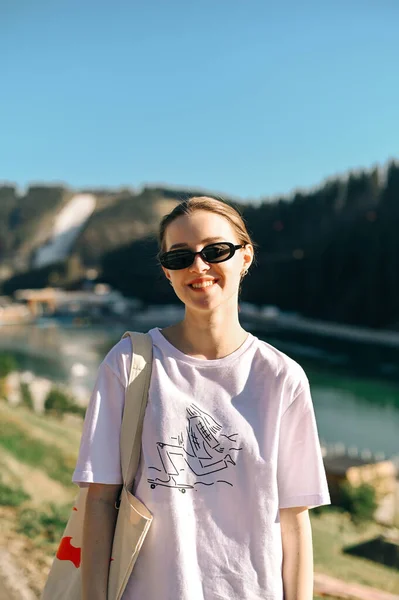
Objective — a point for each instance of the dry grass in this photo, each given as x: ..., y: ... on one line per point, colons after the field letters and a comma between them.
x: 24, y: 464
x: 333, y: 531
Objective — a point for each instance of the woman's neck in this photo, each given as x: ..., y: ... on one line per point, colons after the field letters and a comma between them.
x: 206, y: 337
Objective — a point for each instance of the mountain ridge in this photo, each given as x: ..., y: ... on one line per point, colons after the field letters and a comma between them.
x: 331, y: 253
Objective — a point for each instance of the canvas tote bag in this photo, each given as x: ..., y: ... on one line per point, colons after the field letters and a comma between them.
x: 134, y: 520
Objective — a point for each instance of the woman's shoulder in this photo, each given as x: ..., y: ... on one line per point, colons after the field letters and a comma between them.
x: 281, y: 364
x: 118, y: 360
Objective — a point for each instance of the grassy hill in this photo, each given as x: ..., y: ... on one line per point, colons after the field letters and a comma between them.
x: 26, y: 223
x: 37, y: 458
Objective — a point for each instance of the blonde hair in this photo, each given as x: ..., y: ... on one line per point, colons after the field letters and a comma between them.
x: 218, y: 207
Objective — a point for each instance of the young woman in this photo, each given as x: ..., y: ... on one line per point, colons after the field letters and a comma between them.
x: 230, y: 460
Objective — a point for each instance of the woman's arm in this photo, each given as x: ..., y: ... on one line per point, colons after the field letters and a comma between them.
x: 98, y: 535
x: 296, y: 536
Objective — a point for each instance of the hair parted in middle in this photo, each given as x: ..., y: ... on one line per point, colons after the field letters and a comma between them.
x: 206, y: 203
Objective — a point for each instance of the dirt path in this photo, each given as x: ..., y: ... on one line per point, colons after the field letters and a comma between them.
x: 15, y: 586
x: 13, y: 583
x: 23, y: 567
x: 324, y: 585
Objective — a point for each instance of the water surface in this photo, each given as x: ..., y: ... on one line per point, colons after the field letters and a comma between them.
x: 356, y: 410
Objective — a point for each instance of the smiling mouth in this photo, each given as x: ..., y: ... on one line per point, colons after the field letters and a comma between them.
x: 202, y: 285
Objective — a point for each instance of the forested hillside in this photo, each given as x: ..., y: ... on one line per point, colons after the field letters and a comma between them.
x: 334, y: 253
x: 331, y: 253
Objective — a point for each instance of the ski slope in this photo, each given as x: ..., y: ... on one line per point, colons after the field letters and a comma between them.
x: 68, y: 224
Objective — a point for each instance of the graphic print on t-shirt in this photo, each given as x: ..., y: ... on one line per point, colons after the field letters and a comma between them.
x: 202, y: 456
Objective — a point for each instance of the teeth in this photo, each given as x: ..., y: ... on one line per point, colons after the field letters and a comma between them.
x: 202, y: 285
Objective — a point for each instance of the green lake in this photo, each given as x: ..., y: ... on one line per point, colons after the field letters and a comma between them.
x: 351, y: 408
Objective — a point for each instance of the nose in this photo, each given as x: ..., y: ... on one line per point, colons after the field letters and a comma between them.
x: 199, y: 265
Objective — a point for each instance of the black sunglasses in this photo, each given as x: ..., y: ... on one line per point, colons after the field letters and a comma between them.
x: 213, y: 253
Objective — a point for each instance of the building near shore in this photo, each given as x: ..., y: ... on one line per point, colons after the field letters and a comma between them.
x: 356, y: 470
x: 12, y: 313
x: 349, y: 466
x: 55, y: 300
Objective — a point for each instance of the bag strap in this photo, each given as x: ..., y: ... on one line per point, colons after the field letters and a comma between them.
x: 135, y: 404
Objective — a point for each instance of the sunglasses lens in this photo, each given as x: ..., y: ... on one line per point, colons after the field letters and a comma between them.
x: 177, y: 259
x: 217, y: 253
x: 181, y: 259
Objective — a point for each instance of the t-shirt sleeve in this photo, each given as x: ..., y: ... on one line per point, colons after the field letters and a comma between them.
x: 99, y: 453
x: 301, y: 476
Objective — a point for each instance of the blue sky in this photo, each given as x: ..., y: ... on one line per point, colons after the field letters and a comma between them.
x: 248, y: 99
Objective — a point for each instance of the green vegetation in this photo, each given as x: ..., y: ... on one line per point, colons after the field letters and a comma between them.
x: 51, y: 445
x: 334, y: 530
x: 45, y: 525
x: 359, y: 501
x: 26, y: 396
x: 55, y: 430
x: 37, y: 457
x: 30, y: 451
x: 356, y: 502
x: 12, y: 496
x: 336, y: 245
x: 121, y: 216
x: 7, y: 364
x: 59, y: 403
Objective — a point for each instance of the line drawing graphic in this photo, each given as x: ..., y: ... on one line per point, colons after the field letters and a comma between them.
x: 200, y: 452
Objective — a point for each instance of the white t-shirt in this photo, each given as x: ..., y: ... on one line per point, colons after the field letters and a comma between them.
x: 225, y: 444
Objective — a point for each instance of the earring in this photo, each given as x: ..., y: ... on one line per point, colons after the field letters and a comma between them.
x: 170, y: 283
x: 245, y: 272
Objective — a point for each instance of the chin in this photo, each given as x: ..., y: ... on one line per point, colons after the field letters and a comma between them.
x: 207, y: 303
x: 202, y: 304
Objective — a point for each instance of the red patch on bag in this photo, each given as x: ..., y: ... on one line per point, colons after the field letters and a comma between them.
x: 68, y: 552
x: 74, y: 508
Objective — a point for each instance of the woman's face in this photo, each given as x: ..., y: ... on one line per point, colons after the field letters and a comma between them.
x: 194, y: 232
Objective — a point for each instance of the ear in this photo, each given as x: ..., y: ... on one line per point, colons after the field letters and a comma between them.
x: 248, y: 256
x: 166, y: 273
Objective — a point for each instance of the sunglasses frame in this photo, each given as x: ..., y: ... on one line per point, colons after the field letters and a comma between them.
x: 233, y: 249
